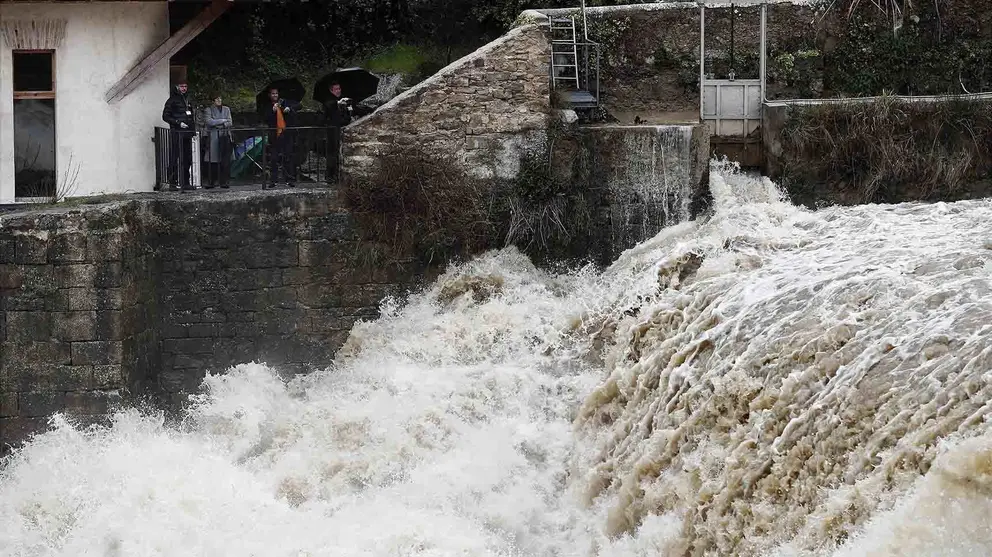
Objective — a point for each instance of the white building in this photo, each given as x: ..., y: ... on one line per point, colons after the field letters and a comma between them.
x: 82, y: 86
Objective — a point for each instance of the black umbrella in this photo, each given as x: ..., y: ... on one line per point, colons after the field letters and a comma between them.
x: 289, y: 88
x: 357, y: 84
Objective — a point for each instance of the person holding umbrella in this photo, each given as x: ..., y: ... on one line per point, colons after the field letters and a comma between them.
x: 337, y: 114
x: 280, y: 115
x: 358, y: 84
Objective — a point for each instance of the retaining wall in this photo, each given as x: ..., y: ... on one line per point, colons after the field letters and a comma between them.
x: 143, y: 297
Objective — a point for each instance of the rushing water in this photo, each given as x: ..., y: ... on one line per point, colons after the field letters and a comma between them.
x: 766, y: 381
x: 651, y: 185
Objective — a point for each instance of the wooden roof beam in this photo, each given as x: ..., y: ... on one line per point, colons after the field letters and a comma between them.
x: 166, y: 50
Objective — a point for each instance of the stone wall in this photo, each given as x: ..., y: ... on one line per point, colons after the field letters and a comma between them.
x: 483, y: 109
x: 107, y: 302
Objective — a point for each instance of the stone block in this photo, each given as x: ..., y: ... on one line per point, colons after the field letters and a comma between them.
x: 109, y: 325
x: 193, y: 378
x: 40, y: 403
x: 240, y: 301
x: 241, y: 317
x: 11, y: 276
x: 255, y: 280
x: 272, y: 254
x: 30, y: 250
x: 14, y: 431
x: 189, y: 361
x: 75, y: 275
x: 226, y: 330
x: 319, y: 253
x: 109, y: 274
x: 171, y: 381
x: 91, y: 402
x: 17, y: 354
x: 64, y: 378
x: 28, y: 326
x: 365, y: 295
x: 188, y: 346
x: 332, y: 319
x: 283, y: 298
x: 109, y: 298
x: 296, y: 276
x: 200, y: 330
x: 99, y: 352
x: 104, y: 220
x: 8, y: 405
x: 73, y: 326
x: 66, y: 248
x: 105, y: 247
x: 6, y: 251
x: 319, y: 296
x: 108, y: 377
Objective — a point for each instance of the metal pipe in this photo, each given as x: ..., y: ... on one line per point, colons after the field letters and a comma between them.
x: 733, y: 21
x: 585, y: 24
x: 702, y: 57
x: 597, y: 73
x: 764, y: 25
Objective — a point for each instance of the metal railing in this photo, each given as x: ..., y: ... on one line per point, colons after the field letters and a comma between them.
x: 187, y: 159
x: 589, y: 72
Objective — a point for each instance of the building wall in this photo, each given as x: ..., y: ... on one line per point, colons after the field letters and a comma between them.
x: 109, y: 143
x: 483, y: 109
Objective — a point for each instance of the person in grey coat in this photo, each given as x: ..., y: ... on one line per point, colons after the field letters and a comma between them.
x: 218, y: 151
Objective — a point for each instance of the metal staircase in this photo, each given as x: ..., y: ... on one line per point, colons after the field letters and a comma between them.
x: 572, y: 77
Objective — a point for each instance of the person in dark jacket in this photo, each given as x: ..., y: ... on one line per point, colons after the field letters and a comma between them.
x: 280, y: 116
x: 178, y: 113
x: 337, y: 114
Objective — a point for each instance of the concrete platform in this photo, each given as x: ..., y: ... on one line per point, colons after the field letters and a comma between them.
x: 655, y: 117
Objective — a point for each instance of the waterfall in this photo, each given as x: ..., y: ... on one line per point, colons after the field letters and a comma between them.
x: 765, y: 381
x: 651, y: 183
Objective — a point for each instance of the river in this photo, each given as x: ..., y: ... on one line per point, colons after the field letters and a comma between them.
x: 765, y: 381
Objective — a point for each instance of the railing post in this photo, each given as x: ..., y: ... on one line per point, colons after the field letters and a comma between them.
x: 702, y: 61
x: 764, y: 46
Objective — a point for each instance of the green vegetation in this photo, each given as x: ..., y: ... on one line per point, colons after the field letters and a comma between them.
x: 918, y: 60
x: 401, y: 58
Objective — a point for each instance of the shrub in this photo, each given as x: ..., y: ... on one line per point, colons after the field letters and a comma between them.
x: 418, y: 203
x: 887, y: 150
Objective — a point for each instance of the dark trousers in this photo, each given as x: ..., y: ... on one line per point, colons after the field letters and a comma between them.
x: 180, y: 156
x: 281, y: 154
x: 333, y: 154
x: 220, y: 172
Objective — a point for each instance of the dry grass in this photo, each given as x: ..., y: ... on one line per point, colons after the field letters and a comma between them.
x: 888, y: 150
x: 415, y: 203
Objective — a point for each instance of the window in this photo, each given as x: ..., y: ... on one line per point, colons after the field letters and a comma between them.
x: 34, y: 124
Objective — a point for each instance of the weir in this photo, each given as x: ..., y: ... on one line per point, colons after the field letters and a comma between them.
x: 650, y: 176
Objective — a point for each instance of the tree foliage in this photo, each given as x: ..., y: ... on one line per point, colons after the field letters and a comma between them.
x: 256, y: 41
